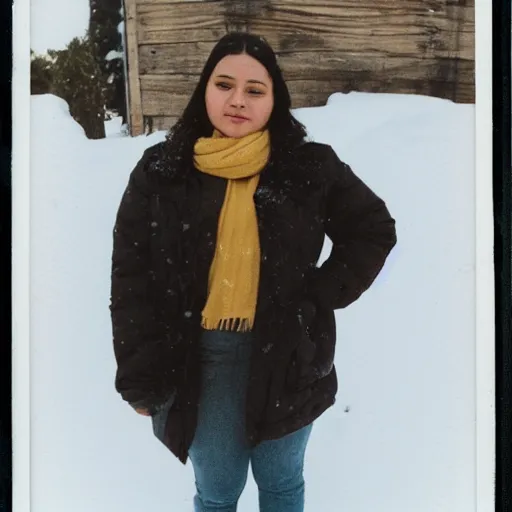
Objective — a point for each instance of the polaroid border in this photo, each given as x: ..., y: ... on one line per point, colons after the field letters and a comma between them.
x: 485, y: 304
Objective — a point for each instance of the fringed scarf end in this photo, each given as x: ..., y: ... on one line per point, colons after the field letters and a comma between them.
x: 228, y: 324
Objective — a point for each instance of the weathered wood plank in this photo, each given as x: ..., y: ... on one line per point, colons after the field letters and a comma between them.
x: 288, y: 39
x: 178, y: 84
x: 183, y: 22
x: 134, y: 94
x: 164, y: 103
x: 180, y: 23
x: 330, y: 66
x: 174, y: 17
x: 177, y: 12
x: 189, y: 59
x: 191, y: 35
x: 339, y: 9
x: 419, y: 5
x: 179, y: 2
x: 402, y: 19
x: 204, y: 35
x: 179, y: 58
x: 381, y: 42
x: 353, y: 9
x: 360, y: 9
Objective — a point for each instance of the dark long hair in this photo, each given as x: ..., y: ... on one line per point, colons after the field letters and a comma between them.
x: 286, y: 132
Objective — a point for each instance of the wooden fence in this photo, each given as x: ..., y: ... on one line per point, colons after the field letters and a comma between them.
x: 324, y: 46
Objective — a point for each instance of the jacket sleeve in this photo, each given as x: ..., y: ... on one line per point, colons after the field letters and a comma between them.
x: 141, y: 347
x: 362, y: 232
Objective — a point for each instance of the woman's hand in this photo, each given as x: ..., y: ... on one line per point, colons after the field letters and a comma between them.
x: 142, y: 411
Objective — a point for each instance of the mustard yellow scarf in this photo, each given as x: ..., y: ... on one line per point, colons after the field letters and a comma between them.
x: 235, y: 270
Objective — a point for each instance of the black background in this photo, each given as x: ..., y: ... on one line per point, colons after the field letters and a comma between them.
x: 502, y: 249
x: 5, y: 253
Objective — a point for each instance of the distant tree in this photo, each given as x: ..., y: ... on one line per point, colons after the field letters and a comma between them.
x: 41, y: 75
x: 78, y: 79
x: 106, y: 41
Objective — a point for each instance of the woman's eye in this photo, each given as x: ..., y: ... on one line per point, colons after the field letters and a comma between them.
x: 226, y: 87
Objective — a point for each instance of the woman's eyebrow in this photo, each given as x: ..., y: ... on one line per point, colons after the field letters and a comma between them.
x: 257, y: 82
x: 249, y: 81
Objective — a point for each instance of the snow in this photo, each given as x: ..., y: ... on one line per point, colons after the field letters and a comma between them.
x: 114, y: 127
x: 114, y: 54
x: 401, y: 436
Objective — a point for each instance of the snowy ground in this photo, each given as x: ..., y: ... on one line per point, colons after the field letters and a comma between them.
x: 401, y: 436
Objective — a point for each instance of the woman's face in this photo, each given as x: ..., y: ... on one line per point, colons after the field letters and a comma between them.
x: 239, y: 97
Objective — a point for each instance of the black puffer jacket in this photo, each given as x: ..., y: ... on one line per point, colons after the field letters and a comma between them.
x: 164, y: 242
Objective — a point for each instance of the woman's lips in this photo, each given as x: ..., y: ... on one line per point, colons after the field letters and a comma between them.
x: 237, y: 119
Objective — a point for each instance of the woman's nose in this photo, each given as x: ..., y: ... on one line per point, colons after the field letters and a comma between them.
x: 238, y: 99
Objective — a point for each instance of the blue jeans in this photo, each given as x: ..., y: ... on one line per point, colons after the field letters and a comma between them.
x: 220, y: 453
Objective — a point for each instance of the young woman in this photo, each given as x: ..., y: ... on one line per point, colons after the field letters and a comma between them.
x: 224, y: 328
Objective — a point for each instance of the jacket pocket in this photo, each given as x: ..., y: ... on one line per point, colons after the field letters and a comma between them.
x: 313, y: 357
x: 305, y: 350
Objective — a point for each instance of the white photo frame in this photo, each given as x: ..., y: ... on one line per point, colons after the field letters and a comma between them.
x: 23, y: 477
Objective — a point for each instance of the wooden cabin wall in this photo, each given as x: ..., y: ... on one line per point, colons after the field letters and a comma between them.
x: 323, y: 46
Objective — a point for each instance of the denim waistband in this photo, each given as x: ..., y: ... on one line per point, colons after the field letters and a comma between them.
x: 225, y: 345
